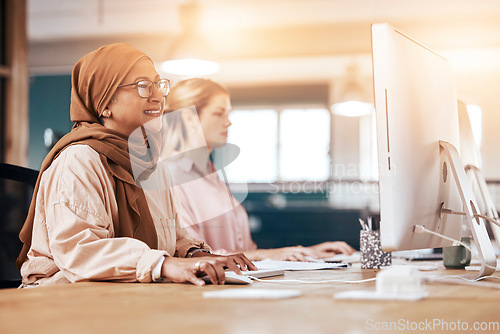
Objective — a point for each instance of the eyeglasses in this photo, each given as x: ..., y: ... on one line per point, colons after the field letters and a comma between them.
x: 145, y: 87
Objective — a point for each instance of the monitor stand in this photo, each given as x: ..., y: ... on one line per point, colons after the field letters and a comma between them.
x: 484, y: 195
x: 477, y: 226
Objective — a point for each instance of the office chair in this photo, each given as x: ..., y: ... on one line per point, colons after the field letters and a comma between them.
x: 16, y: 189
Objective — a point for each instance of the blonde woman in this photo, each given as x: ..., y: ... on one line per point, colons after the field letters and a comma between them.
x: 90, y: 219
x: 196, y: 122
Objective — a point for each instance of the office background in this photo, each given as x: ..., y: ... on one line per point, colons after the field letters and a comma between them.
x: 310, y: 172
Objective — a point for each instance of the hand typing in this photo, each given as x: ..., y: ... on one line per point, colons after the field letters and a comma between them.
x: 189, y: 270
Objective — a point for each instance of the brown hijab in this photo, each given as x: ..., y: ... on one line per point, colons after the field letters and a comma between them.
x: 95, y: 79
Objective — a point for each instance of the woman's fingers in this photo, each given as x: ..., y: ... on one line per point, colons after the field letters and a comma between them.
x: 343, y: 247
x: 195, y: 280
x: 306, y: 251
x: 231, y: 263
x: 219, y: 271
x: 243, y: 262
x: 210, y: 270
x: 197, y: 267
x: 297, y: 256
x: 214, y: 266
x: 249, y: 264
x: 240, y: 264
x: 301, y: 253
x: 326, y: 249
x: 349, y: 249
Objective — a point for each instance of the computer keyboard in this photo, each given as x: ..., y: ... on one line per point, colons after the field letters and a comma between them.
x: 295, y: 265
x: 353, y: 258
x: 418, y: 255
x: 269, y: 268
x: 426, y: 257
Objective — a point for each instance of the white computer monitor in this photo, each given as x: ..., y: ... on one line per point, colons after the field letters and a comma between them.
x: 471, y: 158
x: 417, y: 139
x: 469, y: 152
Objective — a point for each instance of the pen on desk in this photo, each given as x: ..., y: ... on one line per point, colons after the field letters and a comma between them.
x: 370, y: 226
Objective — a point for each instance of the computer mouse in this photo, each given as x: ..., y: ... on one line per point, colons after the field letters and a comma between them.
x: 231, y: 278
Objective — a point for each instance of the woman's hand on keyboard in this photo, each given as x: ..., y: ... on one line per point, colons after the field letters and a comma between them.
x: 330, y: 248
x: 297, y: 253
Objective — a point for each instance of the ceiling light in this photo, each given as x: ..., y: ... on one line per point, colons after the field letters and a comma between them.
x: 351, y: 99
x: 190, y: 54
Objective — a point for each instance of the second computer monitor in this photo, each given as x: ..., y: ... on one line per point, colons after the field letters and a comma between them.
x: 416, y: 107
x: 471, y: 158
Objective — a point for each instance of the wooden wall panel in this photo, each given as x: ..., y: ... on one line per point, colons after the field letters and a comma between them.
x: 17, y: 115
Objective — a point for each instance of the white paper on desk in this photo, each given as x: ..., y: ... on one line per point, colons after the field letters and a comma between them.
x: 250, y: 293
x: 295, y: 265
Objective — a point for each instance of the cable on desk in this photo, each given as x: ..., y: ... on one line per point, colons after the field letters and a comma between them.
x: 310, y: 282
x: 419, y: 229
x: 438, y: 277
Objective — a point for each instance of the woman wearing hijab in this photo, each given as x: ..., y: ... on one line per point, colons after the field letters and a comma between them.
x: 210, y: 212
x: 90, y: 218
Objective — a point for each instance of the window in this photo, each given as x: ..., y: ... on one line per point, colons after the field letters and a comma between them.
x: 255, y: 132
x: 280, y: 144
x: 304, y: 144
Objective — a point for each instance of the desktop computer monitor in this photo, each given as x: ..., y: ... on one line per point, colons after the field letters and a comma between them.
x: 469, y: 152
x: 417, y: 140
x: 471, y: 158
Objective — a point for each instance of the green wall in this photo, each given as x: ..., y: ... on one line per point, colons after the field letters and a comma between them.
x: 49, y: 102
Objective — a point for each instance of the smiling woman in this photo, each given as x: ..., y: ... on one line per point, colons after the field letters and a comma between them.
x: 130, y: 112
x: 91, y: 219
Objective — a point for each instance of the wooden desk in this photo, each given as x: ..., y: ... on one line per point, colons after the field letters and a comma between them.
x: 181, y: 308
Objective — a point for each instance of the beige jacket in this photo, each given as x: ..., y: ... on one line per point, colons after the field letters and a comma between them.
x: 73, y: 235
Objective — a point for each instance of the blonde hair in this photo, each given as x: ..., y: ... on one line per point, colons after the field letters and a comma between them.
x: 195, y: 92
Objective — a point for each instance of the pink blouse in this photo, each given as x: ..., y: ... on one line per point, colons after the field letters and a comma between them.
x: 209, y: 211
